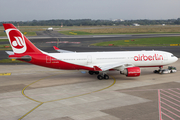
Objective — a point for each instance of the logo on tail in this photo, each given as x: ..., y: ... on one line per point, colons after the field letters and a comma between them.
x: 17, y: 40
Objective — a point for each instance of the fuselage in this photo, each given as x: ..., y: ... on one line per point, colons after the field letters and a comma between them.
x: 137, y: 58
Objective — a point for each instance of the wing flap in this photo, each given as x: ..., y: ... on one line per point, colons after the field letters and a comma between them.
x: 108, y: 66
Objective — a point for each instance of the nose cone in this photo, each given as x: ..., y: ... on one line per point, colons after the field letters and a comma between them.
x: 176, y: 59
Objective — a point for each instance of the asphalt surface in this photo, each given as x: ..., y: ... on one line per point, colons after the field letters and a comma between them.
x: 45, y: 40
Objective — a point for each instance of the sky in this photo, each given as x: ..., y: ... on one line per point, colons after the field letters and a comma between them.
x: 28, y: 10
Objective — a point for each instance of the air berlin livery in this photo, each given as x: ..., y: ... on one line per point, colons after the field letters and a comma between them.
x: 128, y: 62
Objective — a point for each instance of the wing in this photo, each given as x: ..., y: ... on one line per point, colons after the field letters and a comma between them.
x: 109, y: 66
x: 62, y: 51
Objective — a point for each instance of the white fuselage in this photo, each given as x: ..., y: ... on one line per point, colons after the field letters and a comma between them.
x: 137, y: 58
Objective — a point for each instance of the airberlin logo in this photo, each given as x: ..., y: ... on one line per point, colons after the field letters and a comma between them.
x: 18, y: 43
x: 148, y: 57
x: 17, y: 40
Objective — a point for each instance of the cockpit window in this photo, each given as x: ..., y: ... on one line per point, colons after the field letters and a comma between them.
x: 172, y: 55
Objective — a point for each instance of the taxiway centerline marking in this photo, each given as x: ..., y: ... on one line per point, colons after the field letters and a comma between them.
x: 30, y: 111
x: 56, y: 99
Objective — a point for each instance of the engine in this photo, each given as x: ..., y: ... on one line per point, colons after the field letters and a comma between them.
x: 132, y: 71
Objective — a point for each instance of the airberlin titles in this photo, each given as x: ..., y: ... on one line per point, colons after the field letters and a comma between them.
x: 148, y: 57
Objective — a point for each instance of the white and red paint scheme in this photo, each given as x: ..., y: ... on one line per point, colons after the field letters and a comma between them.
x: 127, y: 62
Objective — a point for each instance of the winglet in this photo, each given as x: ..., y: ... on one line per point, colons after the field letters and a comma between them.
x: 62, y: 51
x: 96, y: 68
x: 56, y: 48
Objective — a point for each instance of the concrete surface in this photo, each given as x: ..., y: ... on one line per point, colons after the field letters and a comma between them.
x: 37, y: 93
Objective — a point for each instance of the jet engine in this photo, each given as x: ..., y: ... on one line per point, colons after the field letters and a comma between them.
x: 132, y: 71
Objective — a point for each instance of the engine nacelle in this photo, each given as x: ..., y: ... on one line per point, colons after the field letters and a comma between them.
x: 132, y: 71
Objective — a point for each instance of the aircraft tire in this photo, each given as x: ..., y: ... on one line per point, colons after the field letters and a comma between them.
x: 96, y: 72
x: 100, y: 77
x: 91, y: 72
x: 106, y: 77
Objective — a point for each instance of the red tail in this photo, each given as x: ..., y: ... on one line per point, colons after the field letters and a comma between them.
x: 19, y: 43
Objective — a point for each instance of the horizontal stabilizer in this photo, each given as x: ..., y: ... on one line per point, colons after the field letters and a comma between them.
x: 10, y: 52
x: 62, y: 51
x: 26, y: 57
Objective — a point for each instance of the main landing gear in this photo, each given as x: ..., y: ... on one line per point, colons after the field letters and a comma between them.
x: 100, y: 77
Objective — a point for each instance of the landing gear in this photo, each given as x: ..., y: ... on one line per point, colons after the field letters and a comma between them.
x: 93, y: 72
x: 100, y: 77
x: 158, y: 71
x: 106, y: 77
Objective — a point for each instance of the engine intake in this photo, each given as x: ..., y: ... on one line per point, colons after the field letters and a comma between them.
x: 132, y: 71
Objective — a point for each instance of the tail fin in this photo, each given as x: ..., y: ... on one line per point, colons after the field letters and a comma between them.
x: 19, y: 43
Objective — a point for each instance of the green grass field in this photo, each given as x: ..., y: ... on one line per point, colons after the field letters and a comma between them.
x: 2, y: 47
x: 10, y: 61
x: 159, y: 41
x: 4, y: 40
x: 156, y: 29
x: 75, y: 33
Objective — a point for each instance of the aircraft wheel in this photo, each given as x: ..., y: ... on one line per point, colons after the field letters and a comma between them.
x: 91, y: 72
x: 100, y: 77
x: 155, y: 71
x: 96, y: 72
x: 106, y: 77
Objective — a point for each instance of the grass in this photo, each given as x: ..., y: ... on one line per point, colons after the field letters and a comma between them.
x: 29, y: 33
x: 125, y: 30
x: 72, y: 32
x: 2, y: 47
x: 4, y: 40
x: 2, y: 33
x: 94, y: 30
x: 159, y: 41
x: 10, y: 61
x: 135, y: 30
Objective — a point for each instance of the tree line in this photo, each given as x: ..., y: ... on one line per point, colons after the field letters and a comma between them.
x: 90, y: 22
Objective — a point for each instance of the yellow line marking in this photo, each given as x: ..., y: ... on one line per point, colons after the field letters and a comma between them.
x: 56, y: 99
x: 30, y: 111
x: 5, y: 74
x: 84, y: 93
x: 31, y: 84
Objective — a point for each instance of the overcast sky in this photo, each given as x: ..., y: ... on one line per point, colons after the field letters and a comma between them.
x: 24, y: 10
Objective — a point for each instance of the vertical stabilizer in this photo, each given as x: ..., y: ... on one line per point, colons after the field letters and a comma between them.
x: 19, y: 43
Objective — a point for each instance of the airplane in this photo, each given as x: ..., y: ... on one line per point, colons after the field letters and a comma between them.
x: 99, y: 63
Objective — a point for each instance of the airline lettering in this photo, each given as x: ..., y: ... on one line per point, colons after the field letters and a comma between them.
x: 146, y: 58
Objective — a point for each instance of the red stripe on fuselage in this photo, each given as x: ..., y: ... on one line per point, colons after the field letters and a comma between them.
x: 41, y: 60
